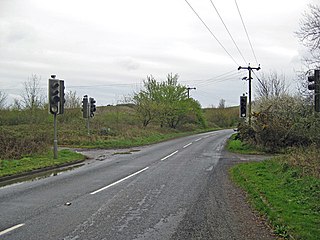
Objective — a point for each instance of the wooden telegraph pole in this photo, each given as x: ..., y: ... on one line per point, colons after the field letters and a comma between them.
x: 250, y: 71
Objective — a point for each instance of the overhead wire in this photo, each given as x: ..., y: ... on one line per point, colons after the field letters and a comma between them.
x: 245, y: 29
x: 225, y: 26
x: 213, y: 80
x: 212, y: 34
x: 199, y: 82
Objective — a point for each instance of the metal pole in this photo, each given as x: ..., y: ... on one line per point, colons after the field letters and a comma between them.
x: 88, y: 125
x: 55, y: 141
x: 249, y: 95
x: 88, y: 119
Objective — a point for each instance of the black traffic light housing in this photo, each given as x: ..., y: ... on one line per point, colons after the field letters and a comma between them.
x: 56, y: 95
x: 85, y: 107
x: 315, y: 86
x: 243, y: 106
x: 92, y: 106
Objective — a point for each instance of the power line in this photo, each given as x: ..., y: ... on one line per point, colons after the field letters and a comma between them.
x: 211, y: 81
x: 216, y: 78
x: 245, y: 29
x: 212, y: 34
x: 228, y: 31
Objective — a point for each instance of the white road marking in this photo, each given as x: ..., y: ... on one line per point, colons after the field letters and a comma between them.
x: 209, y: 169
x: 119, y: 181
x: 11, y: 229
x: 198, y: 139
x: 187, y: 145
x: 169, y: 155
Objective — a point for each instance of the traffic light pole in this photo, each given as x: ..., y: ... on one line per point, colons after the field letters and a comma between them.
x: 88, y: 125
x: 55, y: 140
x: 250, y: 78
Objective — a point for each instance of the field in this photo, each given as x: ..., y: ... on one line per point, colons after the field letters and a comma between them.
x: 26, y: 135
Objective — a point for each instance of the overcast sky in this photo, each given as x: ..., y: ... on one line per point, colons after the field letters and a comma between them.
x: 106, y: 48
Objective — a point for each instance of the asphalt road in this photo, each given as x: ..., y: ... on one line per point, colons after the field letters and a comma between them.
x: 173, y: 190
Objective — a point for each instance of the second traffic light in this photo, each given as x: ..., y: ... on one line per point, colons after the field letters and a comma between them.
x: 243, y: 106
x: 92, y: 106
x: 315, y: 86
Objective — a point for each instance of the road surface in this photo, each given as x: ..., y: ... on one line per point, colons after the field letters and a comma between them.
x: 177, y: 189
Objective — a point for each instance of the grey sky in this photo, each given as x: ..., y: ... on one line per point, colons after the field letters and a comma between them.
x: 112, y: 45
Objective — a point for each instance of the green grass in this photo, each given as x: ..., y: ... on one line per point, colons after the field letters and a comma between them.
x: 237, y: 146
x: 133, y: 141
x: 29, y: 163
x: 289, y: 199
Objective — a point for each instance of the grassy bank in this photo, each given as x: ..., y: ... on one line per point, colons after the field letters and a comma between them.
x: 288, y: 198
x: 286, y: 189
x: 237, y: 146
x: 34, y: 162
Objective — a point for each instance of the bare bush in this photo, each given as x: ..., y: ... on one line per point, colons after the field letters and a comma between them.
x: 271, y: 86
x: 32, y: 97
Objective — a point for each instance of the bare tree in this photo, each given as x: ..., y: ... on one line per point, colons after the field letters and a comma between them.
x: 3, y: 99
x: 32, y: 97
x: 271, y: 85
x: 16, y: 104
x: 222, y: 103
x: 72, y: 100
x: 309, y: 35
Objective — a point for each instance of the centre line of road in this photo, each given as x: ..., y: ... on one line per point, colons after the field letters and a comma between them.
x: 187, y: 145
x: 198, y: 139
x: 162, y: 159
x: 11, y: 229
x: 119, y: 181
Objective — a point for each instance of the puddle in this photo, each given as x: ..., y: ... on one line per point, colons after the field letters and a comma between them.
x: 38, y: 176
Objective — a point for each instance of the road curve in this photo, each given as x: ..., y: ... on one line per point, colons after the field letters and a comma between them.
x: 170, y: 190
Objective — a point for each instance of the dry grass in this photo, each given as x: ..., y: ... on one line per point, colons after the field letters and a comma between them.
x: 307, y: 159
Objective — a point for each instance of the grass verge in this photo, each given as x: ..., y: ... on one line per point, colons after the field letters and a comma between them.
x: 29, y: 163
x: 237, y: 146
x: 282, y: 193
x: 134, y: 141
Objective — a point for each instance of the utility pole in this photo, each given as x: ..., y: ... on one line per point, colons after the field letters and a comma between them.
x: 250, y: 71
x: 190, y: 88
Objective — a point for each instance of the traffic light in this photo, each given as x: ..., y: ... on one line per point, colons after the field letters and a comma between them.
x: 315, y: 86
x: 56, y: 95
x: 243, y: 106
x: 85, y: 106
x: 62, y: 97
x: 92, y: 106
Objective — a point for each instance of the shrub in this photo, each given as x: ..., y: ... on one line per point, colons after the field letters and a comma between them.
x: 16, y: 144
x: 281, y: 122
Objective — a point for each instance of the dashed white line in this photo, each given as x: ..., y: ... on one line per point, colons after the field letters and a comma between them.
x: 187, y: 145
x: 11, y: 229
x: 119, y: 181
x: 198, y: 139
x: 169, y: 155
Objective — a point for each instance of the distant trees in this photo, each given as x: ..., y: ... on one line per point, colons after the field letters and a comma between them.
x: 166, y: 103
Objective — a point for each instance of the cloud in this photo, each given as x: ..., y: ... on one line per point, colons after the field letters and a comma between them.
x: 128, y: 63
